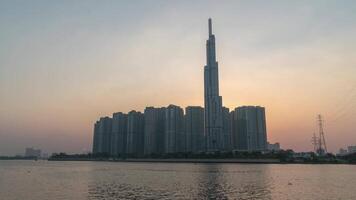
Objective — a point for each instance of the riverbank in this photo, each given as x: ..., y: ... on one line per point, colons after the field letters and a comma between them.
x: 252, y: 161
x: 263, y: 161
x: 171, y: 160
x: 282, y: 157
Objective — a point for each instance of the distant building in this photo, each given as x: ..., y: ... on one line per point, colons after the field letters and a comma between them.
x: 273, y: 147
x: 174, y: 130
x: 226, y: 130
x: 299, y: 156
x: 118, y: 134
x: 102, y: 135
x: 351, y: 149
x: 194, y: 129
x: 32, y: 152
x: 135, y: 137
x: 249, y: 128
x: 105, y: 133
x: 96, y: 137
x: 154, y: 130
x: 342, y: 152
x: 234, y: 140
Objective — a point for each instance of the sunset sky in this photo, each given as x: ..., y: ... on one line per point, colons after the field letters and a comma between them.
x: 64, y: 64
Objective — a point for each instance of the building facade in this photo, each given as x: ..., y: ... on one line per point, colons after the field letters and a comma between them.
x: 226, y: 131
x: 174, y: 130
x: 212, y: 100
x: 154, y: 130
x: 96, y: 137
x: 135, y: 131
x: 102, y: 135
x: 118, y: 134
x: 249, y: 128
x: 194, y: 129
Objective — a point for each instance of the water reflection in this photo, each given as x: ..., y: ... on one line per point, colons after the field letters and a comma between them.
x: 225, y: 182
x: 188, y: 181
x: 119, y: 182
x: 122, y: 191
x: 212, y: 183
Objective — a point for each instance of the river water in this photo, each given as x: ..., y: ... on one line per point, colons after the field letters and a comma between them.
x: 113, y: 180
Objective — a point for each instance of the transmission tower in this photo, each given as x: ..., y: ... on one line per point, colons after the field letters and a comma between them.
x: 315, y: 142
x: 321, y: 150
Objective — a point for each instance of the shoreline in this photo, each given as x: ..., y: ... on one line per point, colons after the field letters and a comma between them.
x: 251, y: 161
x: 188, y: 160
x: 207, y: 161
x: 174, y: 160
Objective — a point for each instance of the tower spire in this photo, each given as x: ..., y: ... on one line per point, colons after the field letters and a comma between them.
x: 212, y: 100
x: 210, y: 27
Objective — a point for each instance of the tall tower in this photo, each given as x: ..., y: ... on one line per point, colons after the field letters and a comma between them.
x: 212, y: 100
x: 322, y: 144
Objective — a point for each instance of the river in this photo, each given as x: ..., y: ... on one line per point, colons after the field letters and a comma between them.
x: 57, y: 180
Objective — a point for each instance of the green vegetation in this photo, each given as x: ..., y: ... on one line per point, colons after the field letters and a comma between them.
x: 350, y: 158
x: 18, y: 158
x: 284, y: 156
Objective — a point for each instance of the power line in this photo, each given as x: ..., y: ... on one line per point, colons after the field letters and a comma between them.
x: 343, y: 108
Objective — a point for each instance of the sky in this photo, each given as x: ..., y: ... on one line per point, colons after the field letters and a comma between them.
x: 64, y: 64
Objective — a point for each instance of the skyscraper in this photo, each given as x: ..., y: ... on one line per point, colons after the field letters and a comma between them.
x: 194, y: 128
x: 103, y: 135
x: 226, y: 132
x: 233, y: 130
x: 174, y: 130
x: 118, y: 134
x: 212, y: 100
x: 249, y: 128
x: 96, y: 137
x: 135, y: 128
x: 154, y: 130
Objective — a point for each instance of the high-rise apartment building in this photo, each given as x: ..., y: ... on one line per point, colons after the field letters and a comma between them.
x: 135, y: 137
x: 226, y: 130
x: 248, y: 128
x: 194, y: 129
x: 96, y: 137
x: 118, y: 134
x: 102, y: 135
x: 154, y: 130
x: 174, y: 130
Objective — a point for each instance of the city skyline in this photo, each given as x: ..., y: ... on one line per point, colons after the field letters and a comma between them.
x: 56, y: 81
